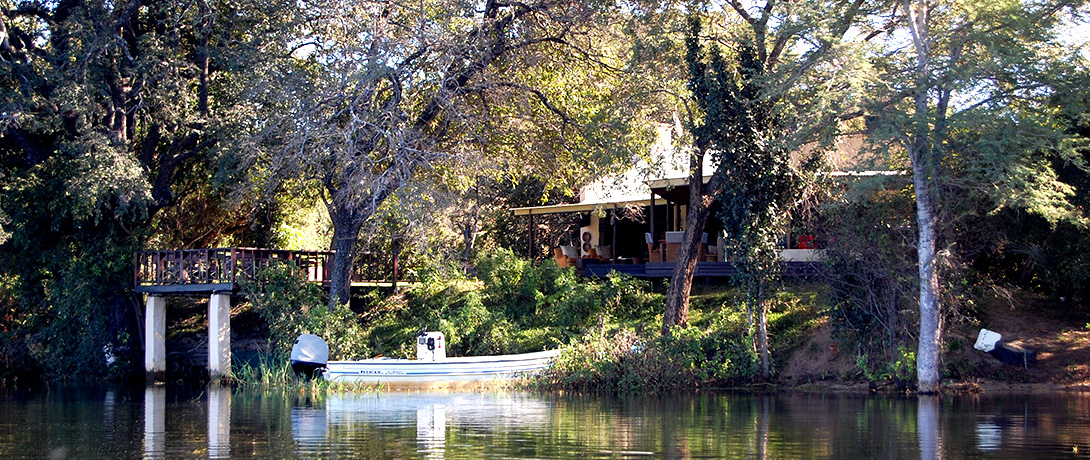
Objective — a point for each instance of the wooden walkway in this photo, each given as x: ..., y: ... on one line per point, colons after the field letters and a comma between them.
x: 198, y: 271
x: 220, y: 269
x: 703, y: 269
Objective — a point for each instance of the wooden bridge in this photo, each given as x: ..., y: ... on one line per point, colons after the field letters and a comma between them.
x: 216, y: 273
x: 220, y: 269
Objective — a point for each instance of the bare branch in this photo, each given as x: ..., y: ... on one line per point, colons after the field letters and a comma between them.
x: 541, y: 97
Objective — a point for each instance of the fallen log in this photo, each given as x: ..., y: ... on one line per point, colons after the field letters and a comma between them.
x: 1016, y: 354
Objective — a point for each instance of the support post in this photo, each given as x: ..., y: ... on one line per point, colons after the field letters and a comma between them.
x: 652, y: 212
x: 531, y: 235
x: 613, y: 222
x: 396, y: 269
x: 669, y: 216
x: 219, y: 335
x: 155, y: 338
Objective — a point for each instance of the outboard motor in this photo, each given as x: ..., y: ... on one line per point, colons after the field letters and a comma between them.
x: 309, y: 355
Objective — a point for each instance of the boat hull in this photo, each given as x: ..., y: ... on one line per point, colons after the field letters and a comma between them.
x: 455, y: 370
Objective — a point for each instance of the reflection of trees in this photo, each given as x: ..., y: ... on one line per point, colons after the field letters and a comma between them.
x: 714, y: 425
x: 928, y: 427
x: 719, y: 426
x: 269, y: 438
x: 798, y: 426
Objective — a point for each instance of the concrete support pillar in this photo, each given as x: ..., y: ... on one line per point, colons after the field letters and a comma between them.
x: 219, y: 335
x: 155, y: 338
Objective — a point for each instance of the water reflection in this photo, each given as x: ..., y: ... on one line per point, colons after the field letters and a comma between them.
x: 354, y: 419
x: 216, y: 422
x: 155, y: 404
x: 762, y: 427
x: 431, y: 430
x: 1020, y: 421
x: 309, y: 427
x: 928, y: 428
x: 219, y: 421
x: 989, y: 435
x: 217, y: 407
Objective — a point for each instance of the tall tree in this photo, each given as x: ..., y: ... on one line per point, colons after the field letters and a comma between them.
x: 387, y: 89
x: 760, y: 191
x: 804, y: 68
x: 970, y: 67
x: 105, y: 106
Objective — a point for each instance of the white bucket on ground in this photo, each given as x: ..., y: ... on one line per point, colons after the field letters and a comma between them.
x: 986, y: 340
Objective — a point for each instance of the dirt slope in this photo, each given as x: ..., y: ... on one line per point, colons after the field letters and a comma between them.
x: 1058, y: 330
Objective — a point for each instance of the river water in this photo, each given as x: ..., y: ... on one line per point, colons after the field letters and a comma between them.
x: 217, y: 422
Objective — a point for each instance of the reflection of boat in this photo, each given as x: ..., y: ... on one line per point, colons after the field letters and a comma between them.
x: 432, y: 368
x: 453, y: 370
x: 429, y: 411
x: 353, y: 419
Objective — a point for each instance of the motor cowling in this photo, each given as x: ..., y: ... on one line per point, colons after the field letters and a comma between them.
x: 309, y: 355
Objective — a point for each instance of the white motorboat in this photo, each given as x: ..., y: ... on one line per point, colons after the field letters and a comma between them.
x: 433, y: 368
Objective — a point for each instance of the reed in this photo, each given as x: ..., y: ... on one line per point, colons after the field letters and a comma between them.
x: 272, y: 371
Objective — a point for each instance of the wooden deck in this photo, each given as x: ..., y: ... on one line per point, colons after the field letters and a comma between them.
x: 200, y: 271
x: 703, y: 269
x: 220, y: 269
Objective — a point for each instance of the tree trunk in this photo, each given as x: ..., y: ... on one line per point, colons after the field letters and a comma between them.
x: 681, y: 284
x: 469, y: 233
x: 924, y: 174
x: 928, y: 356
x: 762, y: 333
x: 346, y: 232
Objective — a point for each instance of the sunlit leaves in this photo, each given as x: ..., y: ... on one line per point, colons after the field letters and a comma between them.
x: 102, y: 177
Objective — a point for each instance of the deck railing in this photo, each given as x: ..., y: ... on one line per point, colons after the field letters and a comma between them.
x: 220, y: 269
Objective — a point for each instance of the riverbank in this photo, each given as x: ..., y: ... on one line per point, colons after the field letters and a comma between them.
x: 807, y: 355
x: 1058, y: 330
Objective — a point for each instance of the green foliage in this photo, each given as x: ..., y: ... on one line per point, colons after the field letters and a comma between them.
x: 543, y: 294
x: 497, y: 223
x: 624, y: 361
x: 793, y: 317
x: 74, y: 306
x: 291, y: 306
x: 372, y: 112
x: 901, y: 369
x: 973, y: 135
x: 1019, y: 246
x: 515, y: 306
x: 870, y: 270
x: 757, y: 187
x: 105, y: 126
x: 715, y: 351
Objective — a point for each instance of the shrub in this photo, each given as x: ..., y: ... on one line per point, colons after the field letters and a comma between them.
x: 623, y: 360
x: 901, y: 369
x: 518, y: 306
x: 292, y: 306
